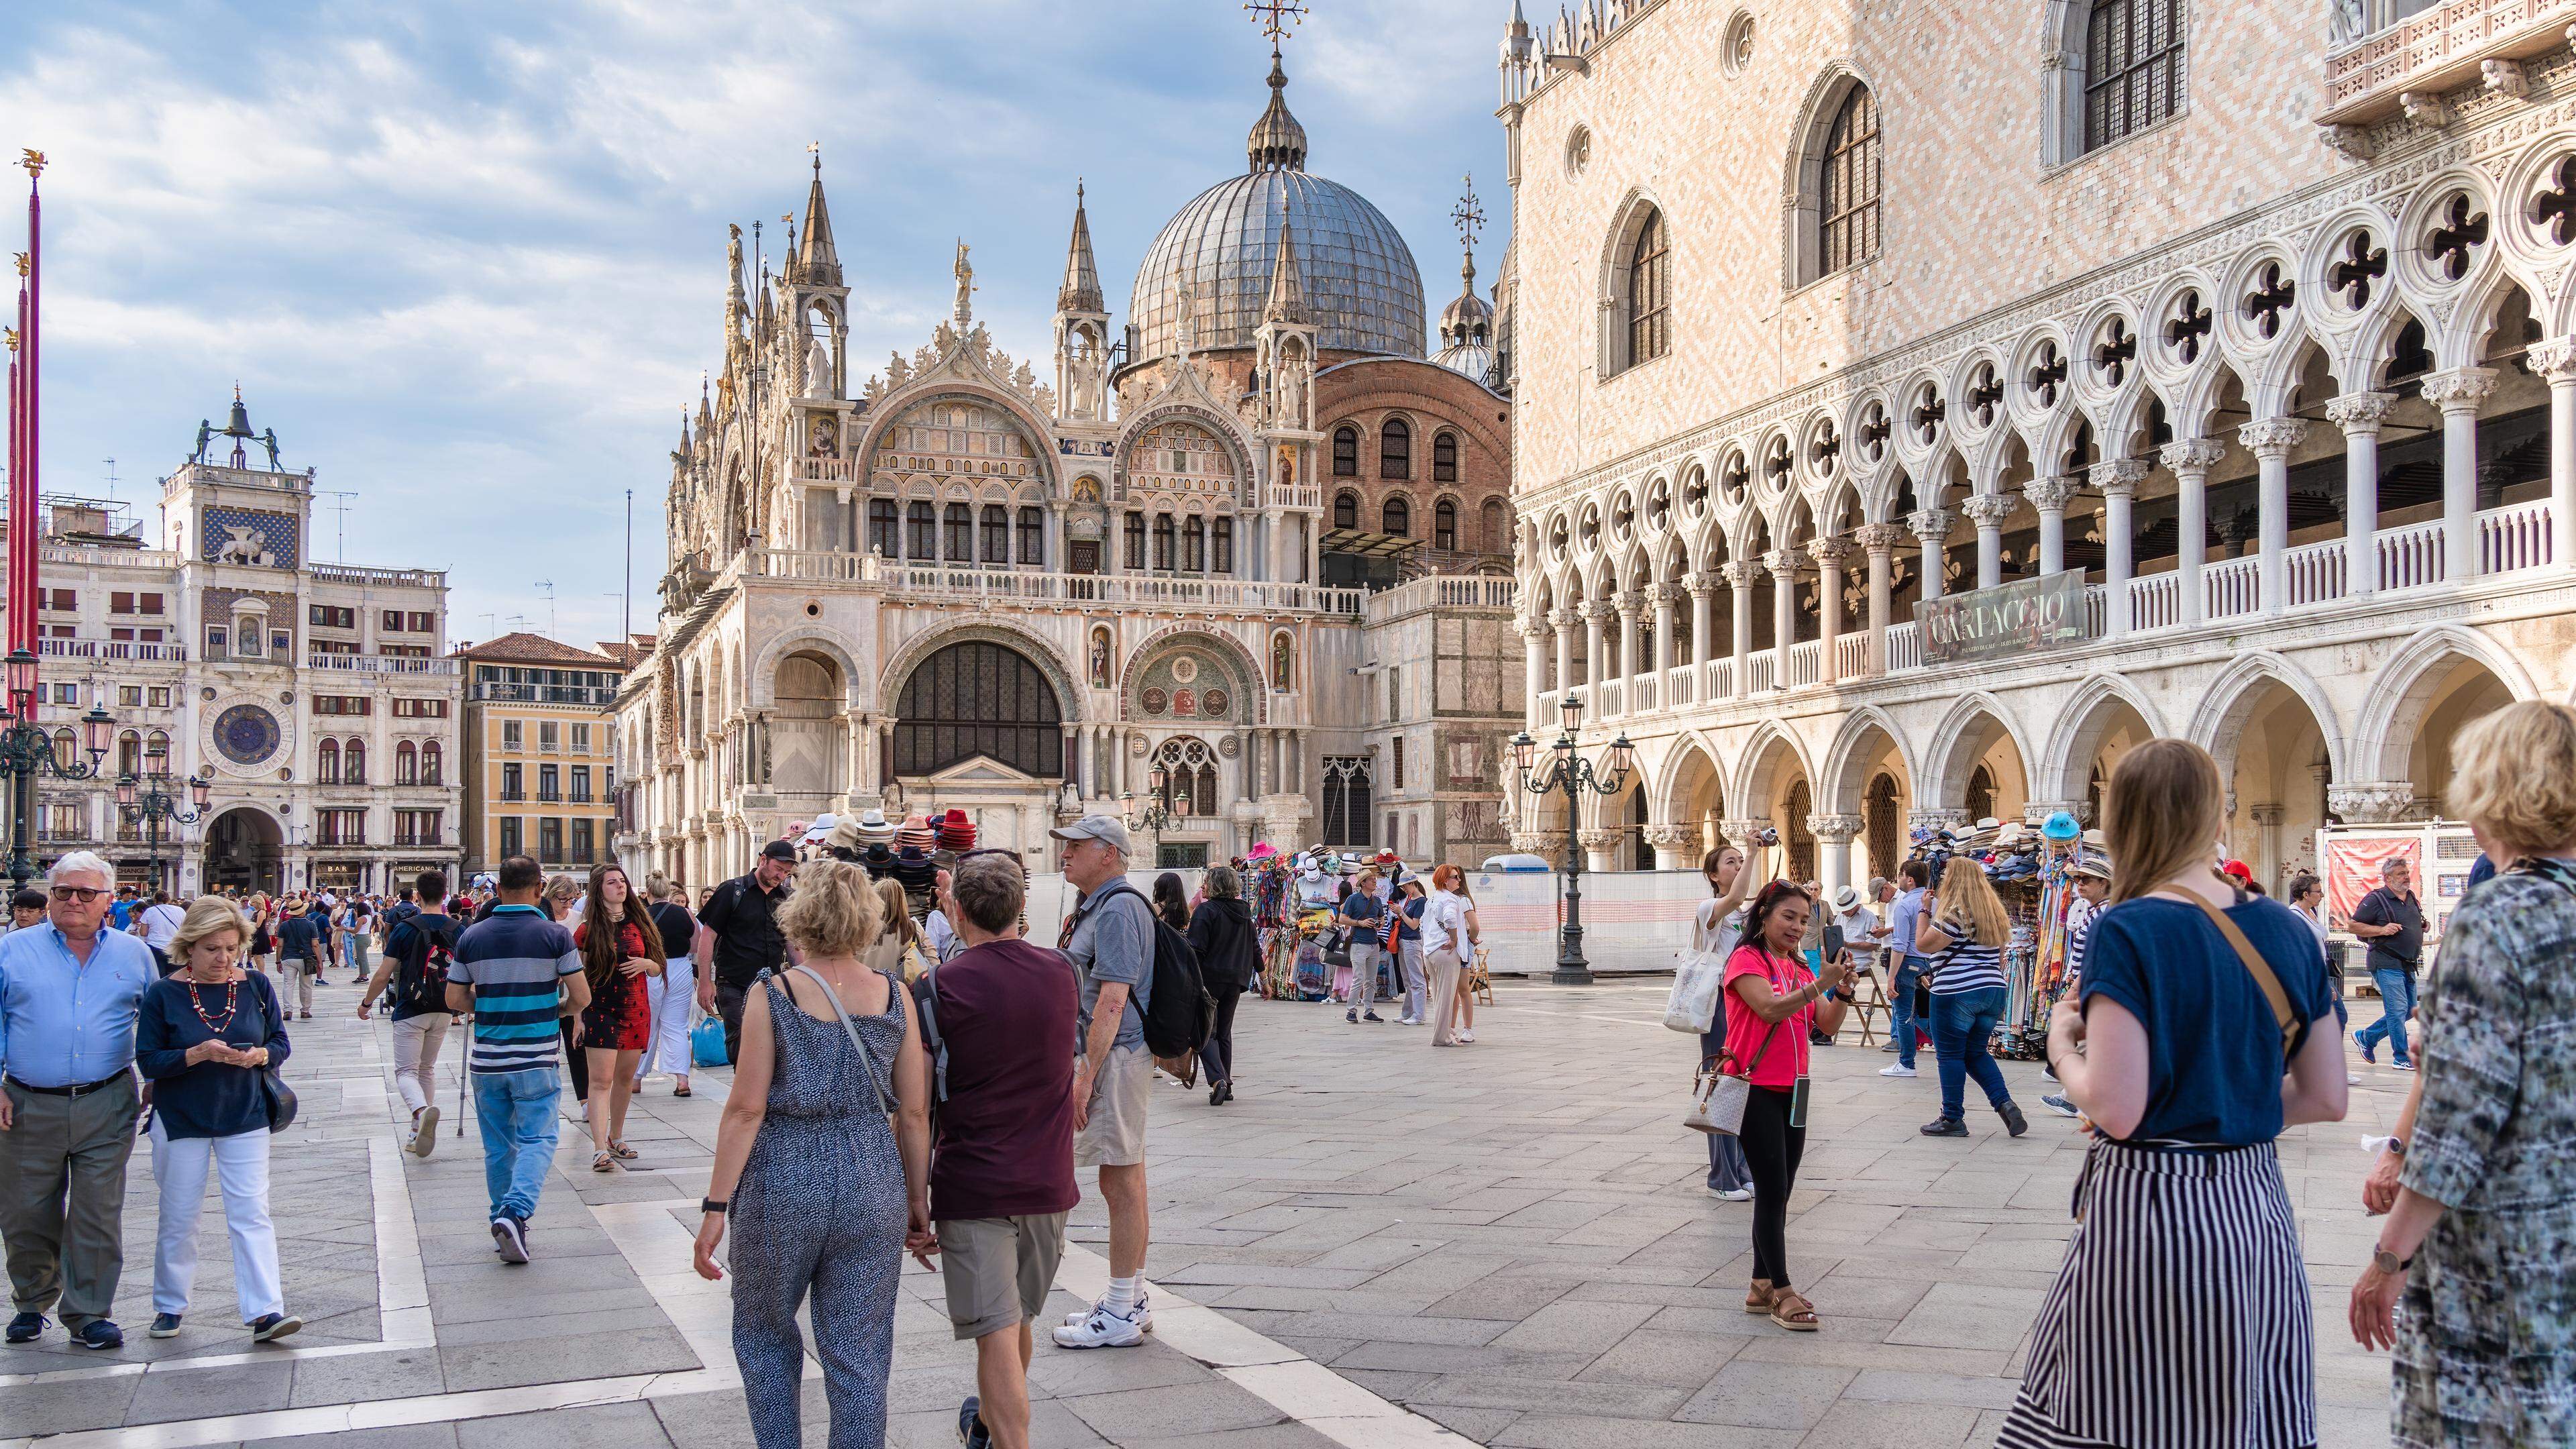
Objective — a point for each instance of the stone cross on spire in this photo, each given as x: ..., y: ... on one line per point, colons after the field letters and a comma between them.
x: 1276, y: 18
x: 1469, y: 214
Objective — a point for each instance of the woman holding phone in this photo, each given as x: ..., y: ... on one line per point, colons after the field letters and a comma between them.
x: 1772, y: 1001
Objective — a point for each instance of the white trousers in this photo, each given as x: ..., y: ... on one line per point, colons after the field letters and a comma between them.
x: 179, y: 1170
x: 416, y: 1043
x: 667, y: 1049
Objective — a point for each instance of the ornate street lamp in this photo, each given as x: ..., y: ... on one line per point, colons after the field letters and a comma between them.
x: 27, y: 751
x: 1569, y: 774
x: 147, y: 802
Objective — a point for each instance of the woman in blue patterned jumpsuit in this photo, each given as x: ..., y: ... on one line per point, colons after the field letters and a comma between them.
x: 824, y: 1192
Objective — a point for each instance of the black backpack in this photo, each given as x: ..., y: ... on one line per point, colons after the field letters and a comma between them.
x: 421, y: 958
x: 1179, y: 1013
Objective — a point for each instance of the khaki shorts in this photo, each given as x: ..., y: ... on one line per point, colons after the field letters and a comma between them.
x: 1115, y: 1133
x: 999, y: 1270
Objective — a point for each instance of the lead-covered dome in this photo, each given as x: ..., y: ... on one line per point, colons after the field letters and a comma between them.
x: 1361, y: 284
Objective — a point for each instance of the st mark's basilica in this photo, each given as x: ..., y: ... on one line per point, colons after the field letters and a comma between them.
x: 1255, y: 544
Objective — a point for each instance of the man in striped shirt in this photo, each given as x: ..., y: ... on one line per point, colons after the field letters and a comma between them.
x: 517, y: 972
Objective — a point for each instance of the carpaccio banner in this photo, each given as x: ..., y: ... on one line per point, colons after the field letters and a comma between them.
x: 2006, y: 620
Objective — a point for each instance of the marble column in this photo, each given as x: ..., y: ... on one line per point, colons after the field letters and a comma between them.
x: 2458, y: 393
x: 1880, y: 541
x: 2554, y: 361
x: 2118, y: 478
x: 1988, y: 512
x: 1830, y: 555
x: 1533, y: 634
x: 1931, y: 526
x: 1740, y: 575
x: 1676, y: 846
x: 1595, y: 615
x: 1701, y: 586
x: 1834, y: 836
x: 1564, y: 620
x: 2050, y: 496
x: 1629, y: 605
x: 1600, y: 849
x: 2270, y: 440
x: 2360, y: 415
x: 1662, y: 596
x: 1783, y: 564
x: 2189, y: 460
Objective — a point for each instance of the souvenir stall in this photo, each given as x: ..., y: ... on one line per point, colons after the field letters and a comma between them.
x: 2033, y: 874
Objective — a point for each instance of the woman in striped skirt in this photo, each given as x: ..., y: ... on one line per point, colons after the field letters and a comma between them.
x: 2181, y: 1316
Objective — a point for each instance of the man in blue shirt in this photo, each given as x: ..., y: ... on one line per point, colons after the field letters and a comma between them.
x: 1905, y: 918
x: 517, y: 972
x: 69, y: 993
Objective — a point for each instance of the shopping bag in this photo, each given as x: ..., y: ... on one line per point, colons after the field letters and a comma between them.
x: 1698, y: 978
x: 707, y: 1043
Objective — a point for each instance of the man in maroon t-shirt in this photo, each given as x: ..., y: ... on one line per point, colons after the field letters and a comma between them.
x: 1001, y: 1166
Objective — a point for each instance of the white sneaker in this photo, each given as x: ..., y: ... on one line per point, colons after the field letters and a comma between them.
x: 1466, y: 1036
x: 2352, y: 1079
x: 1896, y: 1069
x: 1143, y: 1316
x: 1101, y: 1328
x: 424, y: 1132
x: 1732, y: 1194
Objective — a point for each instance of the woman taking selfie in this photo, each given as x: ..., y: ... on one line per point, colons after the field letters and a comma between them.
x: 1772, y: 1001
x: 1966, y: 940
x: 2182, y: 1314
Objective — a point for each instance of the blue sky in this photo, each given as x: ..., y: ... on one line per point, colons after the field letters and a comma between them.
x: 467, y: 257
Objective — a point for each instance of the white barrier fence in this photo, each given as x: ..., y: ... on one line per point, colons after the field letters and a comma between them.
x: 1632, y: 920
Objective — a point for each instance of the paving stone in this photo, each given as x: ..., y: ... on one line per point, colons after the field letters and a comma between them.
x: 1856, y: 1424
x: 365, y: 1377
x: 604, y: 1426
x: 1196, y: 1409
x: 1766, y: 1396
x: 1519, y: 1391
x: 1677, y: 1360
x: 1969, y: 1315
x: 211, y: 1393
x: 401, y: 1436
x: 1557, y: 1431
x: 1569, y: 1327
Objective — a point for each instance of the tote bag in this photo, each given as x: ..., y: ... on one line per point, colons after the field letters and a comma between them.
x: 1699, y: 979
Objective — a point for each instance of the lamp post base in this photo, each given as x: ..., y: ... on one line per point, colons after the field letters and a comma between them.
x: 1570, y: 973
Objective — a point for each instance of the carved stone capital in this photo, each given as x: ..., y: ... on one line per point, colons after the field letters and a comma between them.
x: 2553, y: 360
x: 1936, y: 819
x: 1741, y: 573
x: 1630, y: 603
x: 2114, y: 476
x: 2352, y: 143
x: 1702, y: 585
x: 2051, y: 495
x: 2272, y: 437
x: 1533, y: 627
x: 1987, y: 510
x: 1664, y: 595
x: 2425, y: 108
x: 2191, y: 455
x: 2505, y: 78
x: 1931, y: 525
x: 1565, y: 618
x: 1740, y: 833
x: 2359, y: 414
x: 1879, y: 538
x: 1673, y: 837
x: 2461, y: 389
x: 1835, y: 829
x: 1600, y: 611
x: 1784, y: 563
x: 1599, y: 840
x: 1547, y: 843
x: 1831, y: 553
x: 2372, y: 802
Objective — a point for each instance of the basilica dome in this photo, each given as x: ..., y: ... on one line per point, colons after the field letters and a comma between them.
x: 1360, y: 281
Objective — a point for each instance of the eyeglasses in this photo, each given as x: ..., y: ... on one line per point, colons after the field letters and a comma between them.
x: 82, y: 894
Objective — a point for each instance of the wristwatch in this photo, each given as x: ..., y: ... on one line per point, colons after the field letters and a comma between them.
x: 2397, y: 1147
x: 2387, y: 1262
x: 711, y: 1205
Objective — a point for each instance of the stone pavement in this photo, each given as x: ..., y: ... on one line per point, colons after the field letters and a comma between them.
x: 1509, y: 1240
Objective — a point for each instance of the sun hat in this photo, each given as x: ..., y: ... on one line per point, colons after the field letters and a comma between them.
x: 1846, y: 900
x: 873, y: 828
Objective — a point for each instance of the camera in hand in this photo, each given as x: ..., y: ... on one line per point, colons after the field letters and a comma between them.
x: 1767, y: 835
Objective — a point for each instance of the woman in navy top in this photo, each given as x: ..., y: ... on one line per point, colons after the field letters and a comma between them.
x: 204, y: 1036
x: 2182, y: 1315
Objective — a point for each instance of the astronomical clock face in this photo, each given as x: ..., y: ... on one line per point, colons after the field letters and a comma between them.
x: 245, y: 738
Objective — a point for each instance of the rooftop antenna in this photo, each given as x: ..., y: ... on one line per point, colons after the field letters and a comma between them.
x: 626, y: 583
x: 340, y: 528
x: 111, y: 483
x: 549, y: 586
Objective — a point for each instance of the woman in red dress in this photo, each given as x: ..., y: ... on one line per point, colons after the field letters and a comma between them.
x: 619, y: 945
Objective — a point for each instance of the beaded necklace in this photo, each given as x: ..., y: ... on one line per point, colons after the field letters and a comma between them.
x: 232, y: 1003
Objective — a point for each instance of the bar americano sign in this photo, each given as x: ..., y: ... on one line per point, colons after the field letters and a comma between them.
x: 2009, y: 619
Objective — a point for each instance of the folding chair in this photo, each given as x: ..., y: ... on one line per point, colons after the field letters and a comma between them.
x: 1480, y: 981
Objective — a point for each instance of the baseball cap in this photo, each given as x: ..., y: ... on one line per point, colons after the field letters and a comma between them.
x: 2238, y: 869
x: 1107, y: 828
x: 779, y: 850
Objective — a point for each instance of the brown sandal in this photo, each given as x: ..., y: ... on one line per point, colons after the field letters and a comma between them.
x: 1793, y: 1312
x: 1758, y: 1300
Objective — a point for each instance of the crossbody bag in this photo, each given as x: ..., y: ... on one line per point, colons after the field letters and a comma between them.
x: 2283, y: 1013
x: 1718, y: 1096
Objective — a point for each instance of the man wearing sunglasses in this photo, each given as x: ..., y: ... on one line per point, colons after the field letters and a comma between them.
x: 69, y: 991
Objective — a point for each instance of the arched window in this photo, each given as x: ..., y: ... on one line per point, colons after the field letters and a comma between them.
x: 1397, y: 517
x: 1395, y: 450
x: 156, y: 752
x: 66, y: 750
x: 1163, y: 534
x: 1135, y: 540
x: 923, y: 545
x: 1221, y: 546
x: 1847, y: 206
x: 1346, y: 452
x: 1444, y: 457
x: 978, y: 698
x: 1649, y: 293
x: 1444, y: 524
x: 1189, y: 776
x: 431, y: 771
x: 997, y: 534
x: 2133, y: 67
x: 406, y: 764
x: 881, y: 537
x: 326, y: 763
x: 1194, y: 545
x: 1495, y: 536
x: 353, y: 763
x: 129, y: 754
x: 1346, y: 509
x: 1032, y: 536
x: 958, y: 524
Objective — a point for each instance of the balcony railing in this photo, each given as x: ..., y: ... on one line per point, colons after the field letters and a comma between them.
x: 1721, y: 679
x: 2155, y: 602
x: 2433, y: 51
x: 1678, y: 687
x: 378, y: 664
x: 1437, y: 591
x: 1609, y: 698
x: 1806, y: 659
x: 2313, y: 573
x: 2231, y: 588
x: 2411, y: 557
x: 112, y: 649
x: 338, y: 573
x: 2514, y: 538
x: 1642, y: 693
x: 1763, y: 673
x: 906, y: 582
x: 92, y: 555
x: 1851, y: 655
x: 596, y: 695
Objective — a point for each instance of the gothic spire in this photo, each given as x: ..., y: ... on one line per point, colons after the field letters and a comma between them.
x: 817, y: 264
x: 1287, y: 301
x: 1081, y: 289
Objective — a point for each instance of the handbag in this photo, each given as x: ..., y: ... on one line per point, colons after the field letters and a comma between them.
x: 278, y: 1097
x: 707, y: 1043
x: 1718, y: 1096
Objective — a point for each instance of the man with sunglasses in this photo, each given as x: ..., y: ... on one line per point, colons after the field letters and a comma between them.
x: 69, y: 992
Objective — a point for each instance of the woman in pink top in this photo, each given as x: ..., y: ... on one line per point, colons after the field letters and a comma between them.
x: 1771, y: 1002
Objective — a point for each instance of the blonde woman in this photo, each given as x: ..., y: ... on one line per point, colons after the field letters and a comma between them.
x: 1965, y: 939
x: 203, y: 1036
x: 826, y: 1193
x: 900, y: 950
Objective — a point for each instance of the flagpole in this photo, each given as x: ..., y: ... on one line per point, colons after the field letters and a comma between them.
x: 22, y: 522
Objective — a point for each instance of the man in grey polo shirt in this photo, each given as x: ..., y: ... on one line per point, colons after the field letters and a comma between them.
x: 1110, y: 937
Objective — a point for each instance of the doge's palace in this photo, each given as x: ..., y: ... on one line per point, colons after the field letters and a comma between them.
x: 2235, y: 342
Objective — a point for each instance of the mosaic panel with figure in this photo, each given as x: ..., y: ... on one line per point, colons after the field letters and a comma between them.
x: 952, y: 437
x: 248, y: 536
x: 1188, y: 685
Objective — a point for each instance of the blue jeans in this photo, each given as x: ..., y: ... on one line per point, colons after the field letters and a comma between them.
x: 2396, y: 1007
x: 1901, y: 1007
x: 515, y: 1111
x: 1962, y: 1024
